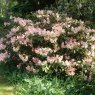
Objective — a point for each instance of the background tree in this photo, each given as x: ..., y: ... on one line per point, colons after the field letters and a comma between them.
x: 79, y: 9
x: 25, y: 7
x: 0, y: 6
x: 7, y: 8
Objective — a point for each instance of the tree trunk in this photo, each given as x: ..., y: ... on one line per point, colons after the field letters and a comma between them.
x: 0, y: 7
x: 6, y: 8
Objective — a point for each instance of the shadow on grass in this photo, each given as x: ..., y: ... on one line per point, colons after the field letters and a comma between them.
x: 6, y: 88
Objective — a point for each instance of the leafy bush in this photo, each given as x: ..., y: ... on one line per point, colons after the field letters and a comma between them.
x: 53, y: 86
x: 39, y: 86
x: 79, y: 9
x: 25, y: 7
x: 52, y: 45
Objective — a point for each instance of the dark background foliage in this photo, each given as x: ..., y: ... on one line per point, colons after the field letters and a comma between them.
x: 78, y: 9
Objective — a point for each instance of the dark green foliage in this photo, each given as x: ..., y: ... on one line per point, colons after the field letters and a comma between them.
x: 48, y: 85
x: 24, y: 7
x: 79, y: 9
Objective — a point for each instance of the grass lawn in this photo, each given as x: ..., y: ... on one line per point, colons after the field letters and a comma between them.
x: 5, y: 87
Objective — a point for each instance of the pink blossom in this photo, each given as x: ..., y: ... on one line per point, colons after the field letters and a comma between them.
x: 23, y: 57
x: 71, y: 71
x: 2, y: 46
x: 6, y: 23
x: 43, y: 51
x: 28, y: 68
x: 19, y: 65
x: 3, y: 56
x: 13, y: 39
x: 1, y: 40
x: 15, y: 29
x: 36, y: 61
x: 8, y: 42
x: 55, y: 59
x: 57, y: 29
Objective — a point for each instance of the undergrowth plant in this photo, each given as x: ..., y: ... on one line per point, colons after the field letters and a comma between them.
x: 51, y: 45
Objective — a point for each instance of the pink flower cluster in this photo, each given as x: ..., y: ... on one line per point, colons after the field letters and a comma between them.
x: 2, y: 46
x: 22, y: 22
x: 3, y: 56
x: 51, y: 41
x: 6, y: 23
x: 43, y: 51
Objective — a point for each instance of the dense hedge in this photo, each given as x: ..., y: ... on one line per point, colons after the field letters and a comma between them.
x: 79, y: 9
x: 50, y: 45
x: 25, y: 7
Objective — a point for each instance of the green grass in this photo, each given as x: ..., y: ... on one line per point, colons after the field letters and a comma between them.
x: 40, y: 86
x: 5, y: 87
x: 6, y: 90
x: 54, y: 86
x: 37, y: 85
x: 19, y: 84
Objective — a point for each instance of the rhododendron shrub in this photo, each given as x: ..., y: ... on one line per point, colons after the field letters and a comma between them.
x: 50, y: 45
